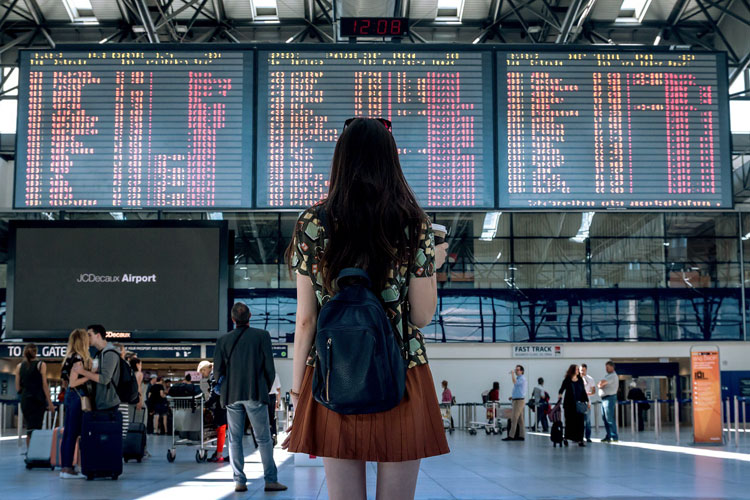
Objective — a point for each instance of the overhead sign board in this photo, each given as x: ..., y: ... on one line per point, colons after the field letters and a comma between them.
x: 537, y: 351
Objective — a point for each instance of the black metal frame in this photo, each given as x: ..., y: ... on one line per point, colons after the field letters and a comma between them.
x: 223, y: 284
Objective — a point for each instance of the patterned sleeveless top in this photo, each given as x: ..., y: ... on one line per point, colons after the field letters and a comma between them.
x: 309, y: 241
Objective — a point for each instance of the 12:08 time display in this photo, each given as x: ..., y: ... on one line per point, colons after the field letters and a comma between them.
x: 374, y: 26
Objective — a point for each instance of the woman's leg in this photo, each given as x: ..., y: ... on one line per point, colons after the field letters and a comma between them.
x: 156, y: 423
x: 397, y: 480
x: 345, y: 479
x: 73, y: 417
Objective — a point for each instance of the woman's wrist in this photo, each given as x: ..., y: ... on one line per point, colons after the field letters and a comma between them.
x: 294, y: 393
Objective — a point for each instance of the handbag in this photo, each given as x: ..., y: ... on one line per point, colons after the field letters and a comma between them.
x: 86, y: 404
x: 582, y: 407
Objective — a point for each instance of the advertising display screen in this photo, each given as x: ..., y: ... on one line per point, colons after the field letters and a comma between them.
x: 142, y: 280
x: 592, y: 130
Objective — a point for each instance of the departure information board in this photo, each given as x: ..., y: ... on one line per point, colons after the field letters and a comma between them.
x: 440, y: 104
x: 589, y: 130
x: 220, y: 127
x: 137, y: 128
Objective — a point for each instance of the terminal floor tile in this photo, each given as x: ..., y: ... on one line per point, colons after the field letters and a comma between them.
x: 478, y: 467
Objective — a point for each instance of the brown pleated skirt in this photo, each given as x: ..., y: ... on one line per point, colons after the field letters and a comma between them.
x: 410, y: 431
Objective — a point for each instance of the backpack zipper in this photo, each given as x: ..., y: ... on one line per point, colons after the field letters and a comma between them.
x: 328, y: 369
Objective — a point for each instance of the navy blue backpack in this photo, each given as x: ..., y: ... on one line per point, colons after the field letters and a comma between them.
x: 359, y: 367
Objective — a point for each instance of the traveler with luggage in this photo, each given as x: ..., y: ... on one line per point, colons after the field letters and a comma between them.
x: 243, y: 361
x: 493, y: 394
x: 134, y: 446
x: 365, y: 262
x: 31, y: 385
x: 114, y: 383
x: 575, y: 405
x: 213, y: 404
x: 77, y: 399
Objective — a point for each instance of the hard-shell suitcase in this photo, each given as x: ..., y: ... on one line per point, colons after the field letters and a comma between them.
x: 556, y: 434
x: 134, y: 446
x: 39, y: 453
x: 57, y: 437
x: 101, y: 444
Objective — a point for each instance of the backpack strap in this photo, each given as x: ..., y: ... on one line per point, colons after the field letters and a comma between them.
x: 116, y: 370
x: 225, y: 389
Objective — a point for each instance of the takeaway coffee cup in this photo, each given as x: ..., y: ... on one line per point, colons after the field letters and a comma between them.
x: 440, y: 233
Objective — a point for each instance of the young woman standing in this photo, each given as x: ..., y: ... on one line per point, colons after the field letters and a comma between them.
x: 373, y: 222
x: 77, y: 354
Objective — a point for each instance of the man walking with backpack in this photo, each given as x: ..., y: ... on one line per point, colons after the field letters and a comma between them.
x: 243, y: 365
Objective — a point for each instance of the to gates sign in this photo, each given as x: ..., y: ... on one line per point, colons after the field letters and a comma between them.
x: 43, y: 350
x: 706, y: 389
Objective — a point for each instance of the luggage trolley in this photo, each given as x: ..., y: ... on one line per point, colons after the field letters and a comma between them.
x: 493, y: 424
x: 182, y: 408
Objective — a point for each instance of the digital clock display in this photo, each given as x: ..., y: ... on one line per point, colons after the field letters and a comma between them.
x: 374, y: 26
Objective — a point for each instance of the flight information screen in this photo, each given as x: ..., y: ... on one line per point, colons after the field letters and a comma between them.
x: 613, y: 130
x: 440, y: 104
x: 134, y: 128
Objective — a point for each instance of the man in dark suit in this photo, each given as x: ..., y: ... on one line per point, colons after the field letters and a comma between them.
x: 244, y: 359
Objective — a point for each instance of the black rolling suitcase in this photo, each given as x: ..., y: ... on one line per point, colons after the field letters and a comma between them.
x: 101, y: 444
x: 134, y: 446
x: 556, y: 435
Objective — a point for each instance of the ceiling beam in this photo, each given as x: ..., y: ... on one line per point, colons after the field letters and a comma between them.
x: 148, y: 23
x: 570, y: 18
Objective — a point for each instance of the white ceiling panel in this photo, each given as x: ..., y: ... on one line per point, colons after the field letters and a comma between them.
x: 106, y: 10
x: 366, y: 8
x: 476, y: 9
x: 659, y: 10
x: 423, y: 9
x: 291, y: 9
x: 238, y: 9
x: 606, y: 10
x: 53, y: 10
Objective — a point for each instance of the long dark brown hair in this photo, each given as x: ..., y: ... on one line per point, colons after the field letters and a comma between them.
x: 571, y: 371
x: 370, y: 208
x: 29, y: 352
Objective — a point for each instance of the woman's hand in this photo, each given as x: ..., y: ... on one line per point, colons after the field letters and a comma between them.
x: 441, y: 251
x: 285, y: 444
x: 295, y: 400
